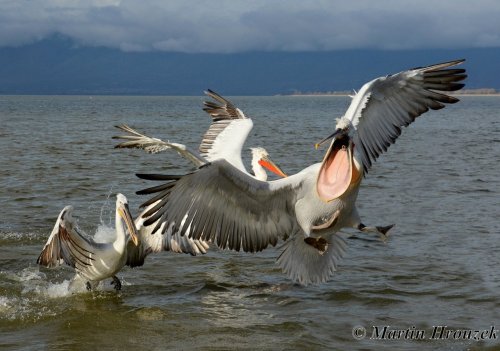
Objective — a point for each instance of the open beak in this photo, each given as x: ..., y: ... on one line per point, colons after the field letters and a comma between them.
x: 317, y: 145
x: 335, y: 174
x: 125, y: 214
x: 267, y: 163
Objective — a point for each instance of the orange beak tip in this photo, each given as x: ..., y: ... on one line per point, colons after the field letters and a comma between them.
x: 271, y: 167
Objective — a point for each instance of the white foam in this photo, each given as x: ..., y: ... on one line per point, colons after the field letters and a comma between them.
x: 29, y: 274
x: 9, y: 307
x: 35, y: 282
x: 55, y: 290
x: 4, y: 303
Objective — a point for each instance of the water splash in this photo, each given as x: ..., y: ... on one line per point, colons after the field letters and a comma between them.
x: 31, y: 296
x: 104, y: 234
x: 34, y: 282
x: 107, y: 207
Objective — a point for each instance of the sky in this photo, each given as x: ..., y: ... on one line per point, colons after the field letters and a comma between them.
x: 227, y: 26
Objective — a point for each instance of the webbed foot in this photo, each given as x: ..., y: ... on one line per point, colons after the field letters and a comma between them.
x: 117, y: 283
x: 382, y: 231
x: 319, y: 244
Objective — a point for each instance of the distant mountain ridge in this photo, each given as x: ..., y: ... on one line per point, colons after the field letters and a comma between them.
x: 58, y: 66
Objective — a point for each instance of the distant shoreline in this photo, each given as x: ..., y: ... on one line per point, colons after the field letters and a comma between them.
x: 463, y: 92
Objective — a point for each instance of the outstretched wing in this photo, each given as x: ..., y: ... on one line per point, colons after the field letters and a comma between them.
x: 67, y: 245
x: 153, y: 145
x: 227, y: 133
x: 220, y: 204
x: 150, y: 242
x: 384, y: 105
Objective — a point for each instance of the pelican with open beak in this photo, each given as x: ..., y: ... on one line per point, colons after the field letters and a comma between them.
x: 221, y: 204
x: 338, y: 170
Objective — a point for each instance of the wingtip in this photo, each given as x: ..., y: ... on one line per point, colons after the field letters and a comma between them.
x: 121, y: 126
x: 439, y: 66
x: 158, y: 176
x: 212, y: 94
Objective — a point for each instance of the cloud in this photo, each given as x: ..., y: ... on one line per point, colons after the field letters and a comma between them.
x: 224, y: 26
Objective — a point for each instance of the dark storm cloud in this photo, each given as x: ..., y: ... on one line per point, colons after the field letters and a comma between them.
x: 234, y: 26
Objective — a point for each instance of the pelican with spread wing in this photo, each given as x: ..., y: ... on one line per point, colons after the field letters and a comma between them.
x: 223, y: 205
x: 92, y: 261
x: 223, y: 140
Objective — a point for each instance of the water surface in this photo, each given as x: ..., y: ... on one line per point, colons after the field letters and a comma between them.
x: 439, y: 183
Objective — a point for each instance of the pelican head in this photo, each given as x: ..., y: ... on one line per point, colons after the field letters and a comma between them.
x: 343, y: 127
x: 123, y: 212
x: 262, y: 158
x: 336, y: 172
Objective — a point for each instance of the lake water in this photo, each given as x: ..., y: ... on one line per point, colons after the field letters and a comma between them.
x: 440, y: 267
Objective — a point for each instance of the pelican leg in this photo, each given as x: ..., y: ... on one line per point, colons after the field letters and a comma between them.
x: 116, y: 282
x: 91, y: 285
x: 379, y: 230
x: 319, y: 244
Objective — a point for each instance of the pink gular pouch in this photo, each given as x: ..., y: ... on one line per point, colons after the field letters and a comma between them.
x: 337, y: 172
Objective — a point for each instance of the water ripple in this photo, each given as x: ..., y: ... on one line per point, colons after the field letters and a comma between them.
x: 439, y: 265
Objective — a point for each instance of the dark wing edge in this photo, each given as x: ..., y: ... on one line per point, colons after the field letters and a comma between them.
x: 223, y: 112
x: 222, y: 108
x: 387, y: 104
x: 136, y: 255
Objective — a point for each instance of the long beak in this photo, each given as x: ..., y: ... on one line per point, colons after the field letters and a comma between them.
x: 267, y: 163
x: 125, y: 214
x: 317, y: 145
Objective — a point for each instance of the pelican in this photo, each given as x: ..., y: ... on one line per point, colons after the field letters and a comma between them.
x: 260, y: 157
x: 221, y: 204
x: 223, y: 140
x: 227, y: 134
x: 92, y: 261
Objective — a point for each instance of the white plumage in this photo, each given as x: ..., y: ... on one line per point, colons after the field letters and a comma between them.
x: 92, y: 261
x: 223, y: 140
x: 221, y: 204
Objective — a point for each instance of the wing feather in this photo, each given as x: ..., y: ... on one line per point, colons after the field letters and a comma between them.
x: 67, y: 245
x: 227, y: 133
x: 222, y: 205
x: 165, y: 239
x: 386, y: 104
x: 153, y: 145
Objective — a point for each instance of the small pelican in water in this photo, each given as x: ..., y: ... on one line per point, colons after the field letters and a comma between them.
x: 92, y: 261
x: 223, y: 205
